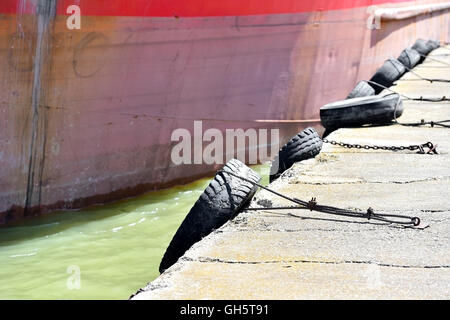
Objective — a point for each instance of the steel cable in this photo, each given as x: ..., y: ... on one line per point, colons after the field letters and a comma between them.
x: 433, y: 59
x: 313, y: 206
x: 426, y: 79
x: 444, y: 98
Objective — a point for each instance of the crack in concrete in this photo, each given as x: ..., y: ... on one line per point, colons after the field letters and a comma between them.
x: 370, y: 182
x: 380, y: 264
x: 294, y: 230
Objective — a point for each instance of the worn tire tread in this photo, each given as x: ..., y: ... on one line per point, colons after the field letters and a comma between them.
x: 221, y: 200
x: 303, y: 146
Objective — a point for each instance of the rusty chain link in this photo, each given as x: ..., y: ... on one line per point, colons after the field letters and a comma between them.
x: 421, y: 147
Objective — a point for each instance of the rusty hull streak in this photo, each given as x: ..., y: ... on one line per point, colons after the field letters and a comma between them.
x: 46, y: 11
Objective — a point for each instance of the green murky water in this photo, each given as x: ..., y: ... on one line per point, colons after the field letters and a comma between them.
x: 112, y: 249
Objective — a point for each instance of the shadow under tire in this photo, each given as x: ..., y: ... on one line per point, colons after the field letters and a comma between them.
x: 222, y: 200
x: 361, y: 111
x: 303, y: 146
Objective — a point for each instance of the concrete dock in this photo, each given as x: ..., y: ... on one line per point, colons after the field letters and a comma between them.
x: 302, y: 254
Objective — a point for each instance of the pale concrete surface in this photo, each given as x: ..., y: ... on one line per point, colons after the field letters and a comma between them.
x: 300, y: 254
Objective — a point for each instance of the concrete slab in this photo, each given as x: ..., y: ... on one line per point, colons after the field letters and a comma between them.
x: 303, y: 254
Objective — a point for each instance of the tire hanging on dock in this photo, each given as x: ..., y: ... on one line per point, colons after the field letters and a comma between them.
x: 390, y: 71
x: 361, y: 111
x: 221, y: 201
x: 423, y: 47
x: 304, y: 145
x: 362, y: 89
x: 409, y: 58
x: 434, y: 44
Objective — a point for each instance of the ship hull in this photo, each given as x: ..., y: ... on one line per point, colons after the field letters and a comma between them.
x: 87, y: 115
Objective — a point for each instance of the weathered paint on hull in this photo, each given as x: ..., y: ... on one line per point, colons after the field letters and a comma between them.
x: 87, y: 115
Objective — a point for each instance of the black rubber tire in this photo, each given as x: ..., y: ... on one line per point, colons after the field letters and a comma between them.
x: 362, y: 89
x: 361, y: 111
x: 221, y: 201
x: 423, y: 47
x: 303, y: 146
x: 390, y: 71
x: 434, y: 43
x: 409, y: 58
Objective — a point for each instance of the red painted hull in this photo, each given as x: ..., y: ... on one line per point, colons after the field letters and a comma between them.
x: 87, y: 115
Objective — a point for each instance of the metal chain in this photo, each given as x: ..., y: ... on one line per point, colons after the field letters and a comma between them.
x: 421, y: 147
x: 441, y: 123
